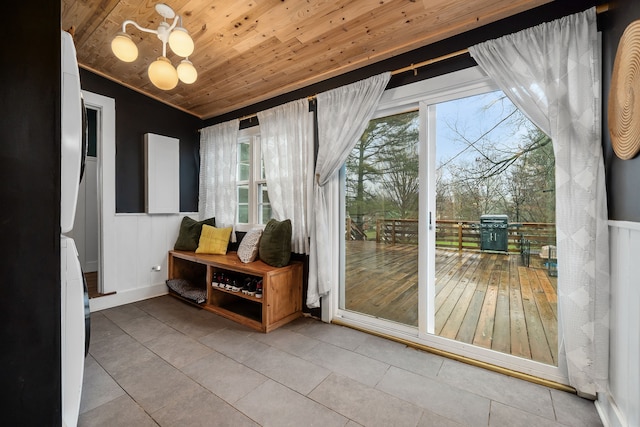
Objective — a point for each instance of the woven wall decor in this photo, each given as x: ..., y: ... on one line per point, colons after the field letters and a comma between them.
x: 624, y: 95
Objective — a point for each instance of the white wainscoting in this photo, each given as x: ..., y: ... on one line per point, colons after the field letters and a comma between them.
x: 621, y: 406
x: 139, y: 243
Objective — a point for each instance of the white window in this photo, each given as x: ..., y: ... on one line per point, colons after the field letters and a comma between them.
x: 253, y: 198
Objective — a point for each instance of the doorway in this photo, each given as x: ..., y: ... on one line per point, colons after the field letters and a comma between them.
x: 94, y: 224
x: 424, y: 274
x: 495, y: 273
x: 86, y: 227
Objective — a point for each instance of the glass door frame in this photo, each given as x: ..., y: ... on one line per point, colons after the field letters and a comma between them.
x: 424, y: 96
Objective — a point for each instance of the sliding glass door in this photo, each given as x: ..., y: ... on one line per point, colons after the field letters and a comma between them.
x: 449, y: 234
x: 381, y: 231
x: 495, y: 264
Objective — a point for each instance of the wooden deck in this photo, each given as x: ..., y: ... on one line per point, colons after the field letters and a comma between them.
x: 486, y: 299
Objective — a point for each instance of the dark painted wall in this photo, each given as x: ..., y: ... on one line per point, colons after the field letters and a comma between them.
x: 623, y: 176
x: 136, y: 115
x: 30, y: 215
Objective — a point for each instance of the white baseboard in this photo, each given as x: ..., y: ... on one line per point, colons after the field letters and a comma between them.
x: 127, y: 297
x: 609, y: 412
x: 90, y: 266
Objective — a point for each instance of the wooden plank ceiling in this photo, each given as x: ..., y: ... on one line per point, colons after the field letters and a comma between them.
x: 252, y: 50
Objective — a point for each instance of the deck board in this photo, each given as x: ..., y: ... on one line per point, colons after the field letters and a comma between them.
x: 485, y: 299
x: 501, y: 338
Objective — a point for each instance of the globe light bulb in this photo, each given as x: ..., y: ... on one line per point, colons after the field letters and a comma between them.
x: 187, y: 73
x: 180, y: 42
x: 162, y: 74
x: 124, y: 48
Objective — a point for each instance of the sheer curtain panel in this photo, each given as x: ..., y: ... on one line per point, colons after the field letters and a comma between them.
x: 343, y: 114
x: 286, y: 139
x: 218, y: 160
x: 552, y: 73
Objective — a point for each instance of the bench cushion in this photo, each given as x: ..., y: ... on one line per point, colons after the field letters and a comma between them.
x: 189, y: 235
x: 213, y: 240
x: 275, y: 244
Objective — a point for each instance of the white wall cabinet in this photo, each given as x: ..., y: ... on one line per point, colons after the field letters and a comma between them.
x: 162, y: 180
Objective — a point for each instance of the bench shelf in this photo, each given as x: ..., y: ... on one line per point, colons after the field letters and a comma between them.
x: 281, y: 300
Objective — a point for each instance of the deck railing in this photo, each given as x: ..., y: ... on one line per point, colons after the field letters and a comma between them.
x: 354, y: 232
x: 464, y: 234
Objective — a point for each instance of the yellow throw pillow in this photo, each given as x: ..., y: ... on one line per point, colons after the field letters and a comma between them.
x: 213, y: 240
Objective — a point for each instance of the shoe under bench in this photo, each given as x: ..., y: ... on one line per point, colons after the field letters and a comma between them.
x: 281, y: 300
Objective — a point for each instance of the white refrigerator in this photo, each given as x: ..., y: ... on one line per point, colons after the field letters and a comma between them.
x: 74, y: 302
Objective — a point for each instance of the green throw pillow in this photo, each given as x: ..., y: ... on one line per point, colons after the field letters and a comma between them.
x: 275, y: 244
x: 189, y: 235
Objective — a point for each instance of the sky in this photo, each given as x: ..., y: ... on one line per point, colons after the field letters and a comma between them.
x: 473, y: 117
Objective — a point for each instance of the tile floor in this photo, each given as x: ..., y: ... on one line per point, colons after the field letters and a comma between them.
x: 163, y: 362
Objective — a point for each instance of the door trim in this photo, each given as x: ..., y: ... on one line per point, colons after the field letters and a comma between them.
x: 106, y: 187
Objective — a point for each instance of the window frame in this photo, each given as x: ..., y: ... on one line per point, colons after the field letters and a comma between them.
x: 251, y: 136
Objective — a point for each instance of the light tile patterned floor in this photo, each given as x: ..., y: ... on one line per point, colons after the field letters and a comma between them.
x: 163, y: 362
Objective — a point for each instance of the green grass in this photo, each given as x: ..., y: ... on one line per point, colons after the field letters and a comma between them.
x: 455, y: 243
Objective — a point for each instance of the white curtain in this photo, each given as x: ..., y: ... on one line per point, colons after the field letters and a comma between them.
x: 218, y: 160
x: 286, y: 139
x: 552, y: 73
x: 343, y: 114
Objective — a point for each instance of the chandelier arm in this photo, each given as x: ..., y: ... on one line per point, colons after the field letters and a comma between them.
x: 175, y: 22
x: 135, y: 24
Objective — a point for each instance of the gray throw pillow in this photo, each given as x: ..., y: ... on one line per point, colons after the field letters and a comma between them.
x: 275, y: 244
x: 250, y: 245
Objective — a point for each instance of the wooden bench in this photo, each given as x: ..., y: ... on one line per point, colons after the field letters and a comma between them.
x: 281, y: 300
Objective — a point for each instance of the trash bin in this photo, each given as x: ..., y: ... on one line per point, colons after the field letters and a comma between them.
x: 493, y: 233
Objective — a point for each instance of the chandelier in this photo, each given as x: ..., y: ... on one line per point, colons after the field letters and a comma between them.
x: 161, y: 72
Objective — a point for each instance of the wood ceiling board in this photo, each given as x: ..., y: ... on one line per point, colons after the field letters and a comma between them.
x: 331, y: 16
x: 248, y: 51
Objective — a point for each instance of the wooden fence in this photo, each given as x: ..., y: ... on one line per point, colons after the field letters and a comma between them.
x: 464, y: 234
x: 394, y: 231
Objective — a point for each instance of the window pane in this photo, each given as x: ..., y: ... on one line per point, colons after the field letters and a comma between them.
x: 382, y: 188
x: 264, y: 207
x: 491, y: 159
x: 243, y: 152
x: 243, y: 171
x: 262, y: 175
x: 243, y: 214
x: 495, y: 201
x: 266, y: 214
x: 243, y: 194
x: 92, y: 132
x: 263, y: 194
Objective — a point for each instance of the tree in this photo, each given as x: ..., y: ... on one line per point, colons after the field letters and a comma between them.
x: 511, y: 172
x: 372, y: 159
x: 531, y: 181
x: 400, y: 183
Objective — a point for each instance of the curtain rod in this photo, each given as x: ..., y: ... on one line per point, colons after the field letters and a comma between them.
x: 414, y: 67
